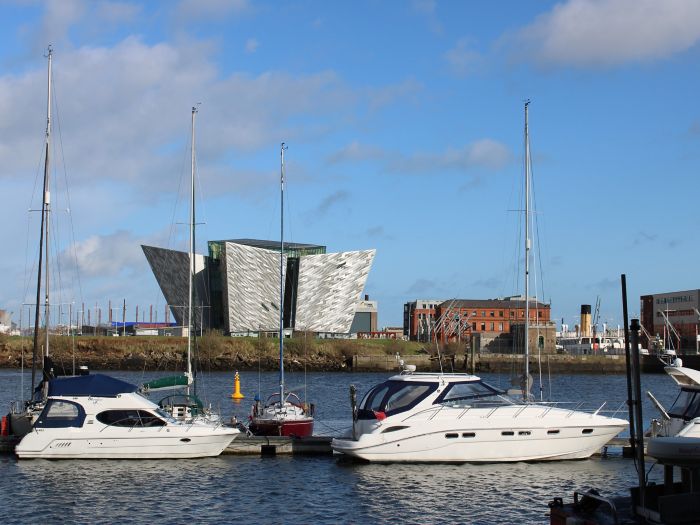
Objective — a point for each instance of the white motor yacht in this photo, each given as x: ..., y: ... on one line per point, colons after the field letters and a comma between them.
x: 459, y: 418
x: 675, y: 438
x: 97, y: 416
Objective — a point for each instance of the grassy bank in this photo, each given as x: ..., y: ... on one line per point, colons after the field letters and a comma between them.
x: 214, y: 352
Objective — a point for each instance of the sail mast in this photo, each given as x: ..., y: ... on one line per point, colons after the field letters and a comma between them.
x: 44, y: 235
x: 527, y: 255
x: 281, y: 333
x: 191, y: 261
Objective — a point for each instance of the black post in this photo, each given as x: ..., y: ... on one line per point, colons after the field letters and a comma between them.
x: 639, y: 435
x: 628, y: 363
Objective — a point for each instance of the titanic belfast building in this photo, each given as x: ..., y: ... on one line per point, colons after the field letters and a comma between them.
x: 237, y: 285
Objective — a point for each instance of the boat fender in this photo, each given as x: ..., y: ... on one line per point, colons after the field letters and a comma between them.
x: 380, y: 416
x: 5, y: 426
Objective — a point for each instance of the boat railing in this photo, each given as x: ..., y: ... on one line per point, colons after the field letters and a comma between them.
x: 571, y: 407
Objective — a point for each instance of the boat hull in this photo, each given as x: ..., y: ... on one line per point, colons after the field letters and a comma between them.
x: 137, y: 444
x: 484, y: 445
x: 277, y: 427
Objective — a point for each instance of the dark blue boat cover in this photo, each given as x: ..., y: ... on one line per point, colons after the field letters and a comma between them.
x: 97, y: 385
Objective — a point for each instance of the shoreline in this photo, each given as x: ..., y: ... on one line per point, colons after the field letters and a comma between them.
x: 218, y: 353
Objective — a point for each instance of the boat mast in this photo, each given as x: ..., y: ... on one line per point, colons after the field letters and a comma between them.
x: 281, y: 334
x: 191, y: 262
x: 44, y: 236
x: 527, y: 255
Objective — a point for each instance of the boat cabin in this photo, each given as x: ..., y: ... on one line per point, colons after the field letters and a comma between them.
x: 396, y: 396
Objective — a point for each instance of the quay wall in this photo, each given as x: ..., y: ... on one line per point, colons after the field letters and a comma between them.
x: 499, y: 363
x: 216, y: 352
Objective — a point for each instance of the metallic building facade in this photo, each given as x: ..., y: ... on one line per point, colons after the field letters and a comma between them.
x: 241, y: 283
x: 252, y: 288
x: 330, y: 286
x: 170, y: 268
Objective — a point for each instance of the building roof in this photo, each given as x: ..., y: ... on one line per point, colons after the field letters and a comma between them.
x: 272, y: 245
x: 509, y: 302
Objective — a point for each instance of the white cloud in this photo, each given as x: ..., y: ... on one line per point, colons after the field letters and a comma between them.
x: 116, y: 12
x: 124, y: 112
x: 462, y: 59
x: 59, y: 16
x: 357, y: 152
x: 483, y: 153
x: 609, y: 32
x: 385, y: 95
x: 113, y: 255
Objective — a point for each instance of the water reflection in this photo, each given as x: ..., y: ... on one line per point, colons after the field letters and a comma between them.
x: 313, y: 489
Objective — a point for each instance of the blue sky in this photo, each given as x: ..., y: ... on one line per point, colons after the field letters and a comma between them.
x: 404, y: 121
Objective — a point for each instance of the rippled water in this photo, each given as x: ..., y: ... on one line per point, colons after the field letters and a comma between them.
x: 311, y: 489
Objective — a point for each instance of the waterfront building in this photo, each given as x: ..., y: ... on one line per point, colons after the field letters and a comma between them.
x: 671, y: 319
x: 237, y: 286
x: 365, y: 317
x: 419, y: 319
x: 489, y: 324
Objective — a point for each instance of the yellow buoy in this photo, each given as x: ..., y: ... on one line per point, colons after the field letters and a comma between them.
x: 237, y: 387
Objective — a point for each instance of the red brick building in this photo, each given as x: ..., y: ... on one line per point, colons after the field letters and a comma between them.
x: 679, y: 310
x: 457, y: 320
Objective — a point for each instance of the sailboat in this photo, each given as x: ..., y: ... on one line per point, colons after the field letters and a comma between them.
x: 22, y: 418
x: 458, y: 418
x: 283, y: 413
x: 186, y: 406
x: 97, y: 416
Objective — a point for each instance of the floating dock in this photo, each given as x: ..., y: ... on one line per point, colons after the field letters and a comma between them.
x: 274, y: 445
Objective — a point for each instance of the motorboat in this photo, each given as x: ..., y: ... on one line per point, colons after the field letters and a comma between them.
x: 97, y: 416
x: 675, y: 437
x: 459, y: 418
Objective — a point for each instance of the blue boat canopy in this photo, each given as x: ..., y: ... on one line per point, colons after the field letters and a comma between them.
x: 97, y: 385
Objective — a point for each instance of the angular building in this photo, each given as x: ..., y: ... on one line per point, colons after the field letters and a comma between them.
x: 237, y: 286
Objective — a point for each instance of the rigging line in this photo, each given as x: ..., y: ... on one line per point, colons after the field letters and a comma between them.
x: 65, y: 178
x: 177, y: 197
x: 38, y: 173
x: 202, y: 211
x: 536, y: 223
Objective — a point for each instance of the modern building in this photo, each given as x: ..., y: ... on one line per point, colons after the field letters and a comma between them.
x: 496, y: 325
x: 237, y: 286
x: 671, y: 318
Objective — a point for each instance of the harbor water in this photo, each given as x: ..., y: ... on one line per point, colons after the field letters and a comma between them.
x: 322, y: 489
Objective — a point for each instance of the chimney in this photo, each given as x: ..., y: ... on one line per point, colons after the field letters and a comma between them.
x: 585, y: 320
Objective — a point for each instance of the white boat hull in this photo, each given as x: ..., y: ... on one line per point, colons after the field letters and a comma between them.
x: 489, y: 447
x: 162, y: 443
x: 504, y: 434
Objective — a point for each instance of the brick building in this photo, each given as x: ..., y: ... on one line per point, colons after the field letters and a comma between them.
x: 492, y: 323
x: 681, y: 309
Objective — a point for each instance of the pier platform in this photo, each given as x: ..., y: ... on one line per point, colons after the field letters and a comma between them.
x: 276, y: 445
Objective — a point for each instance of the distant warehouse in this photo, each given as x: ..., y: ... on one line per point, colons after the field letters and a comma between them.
x: 492, y: 325
x: 670, y: 320
x: 237, y: 286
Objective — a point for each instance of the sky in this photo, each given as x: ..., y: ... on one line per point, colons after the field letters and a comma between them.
x: 404, y: 122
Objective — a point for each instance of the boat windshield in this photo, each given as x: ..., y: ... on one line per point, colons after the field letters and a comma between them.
x: 393, y: 397
x: 687, y: 405
x: 473, y: 394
